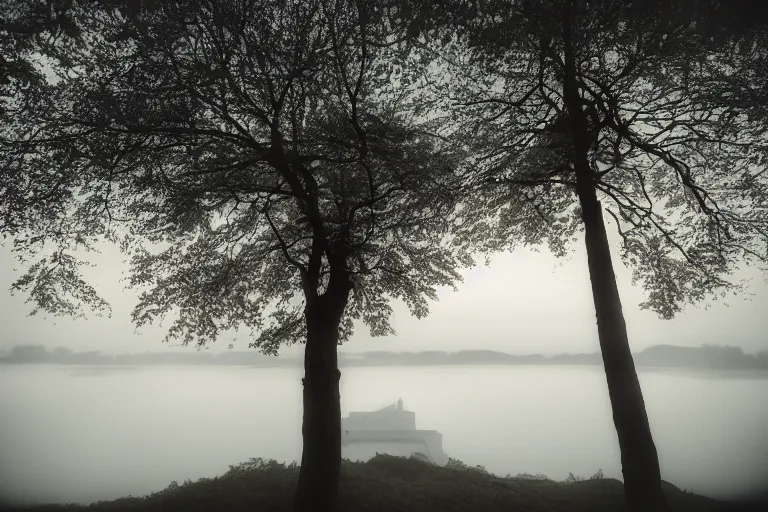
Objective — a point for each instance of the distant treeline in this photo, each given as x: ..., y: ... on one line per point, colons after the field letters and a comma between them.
x: 61, y: 355
x: 703, y: 357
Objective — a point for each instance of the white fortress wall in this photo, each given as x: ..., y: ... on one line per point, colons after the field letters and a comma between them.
x: 380, y: 420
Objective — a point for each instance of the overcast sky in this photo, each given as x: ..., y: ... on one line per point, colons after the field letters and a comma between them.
x: 525, y: 302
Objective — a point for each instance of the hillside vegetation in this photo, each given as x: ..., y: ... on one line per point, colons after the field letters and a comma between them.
x: 393, y: 484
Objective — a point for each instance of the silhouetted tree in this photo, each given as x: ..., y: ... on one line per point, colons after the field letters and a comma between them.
x: 762, y: 359
x: 568, y: 103
x: 61, y: 353
x: 735, y: 64
x: 29, y: 353
x: 260, y: 164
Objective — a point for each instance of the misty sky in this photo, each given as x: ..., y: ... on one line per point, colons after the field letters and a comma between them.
x: 525, y: 302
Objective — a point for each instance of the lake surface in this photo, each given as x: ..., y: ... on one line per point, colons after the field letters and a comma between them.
x: 68, y: 435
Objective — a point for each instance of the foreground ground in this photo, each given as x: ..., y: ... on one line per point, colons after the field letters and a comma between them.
x: 395, y: 484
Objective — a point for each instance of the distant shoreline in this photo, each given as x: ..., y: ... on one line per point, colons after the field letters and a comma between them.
x: 665, y: 357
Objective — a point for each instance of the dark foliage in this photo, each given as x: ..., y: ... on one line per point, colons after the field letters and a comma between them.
x: 388, y: 483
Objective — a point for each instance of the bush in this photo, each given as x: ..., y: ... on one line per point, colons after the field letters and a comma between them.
x: 390, y: 484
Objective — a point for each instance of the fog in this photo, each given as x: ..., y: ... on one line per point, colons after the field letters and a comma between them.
x: 71, y: 435
x: 524, y: 302
x: 75, y: 435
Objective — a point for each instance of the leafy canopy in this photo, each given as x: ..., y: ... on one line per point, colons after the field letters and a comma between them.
x: 243, y: 153
x: 680, y: 171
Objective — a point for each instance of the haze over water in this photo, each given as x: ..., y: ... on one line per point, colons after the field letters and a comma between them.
x: 78, y: 436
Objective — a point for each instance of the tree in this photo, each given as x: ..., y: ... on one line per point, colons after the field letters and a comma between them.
x: 260, y: 164
x: 29, y: 353
x: 762, y: 359
x: 735, y: 35
x: 22, y: 25
x: 61, y: 353
x: 567, y: 105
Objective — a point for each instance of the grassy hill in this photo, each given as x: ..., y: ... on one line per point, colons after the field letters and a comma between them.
x: 394, y: 484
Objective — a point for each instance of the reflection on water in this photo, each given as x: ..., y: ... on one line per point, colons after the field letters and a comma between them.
x: 132, y: 431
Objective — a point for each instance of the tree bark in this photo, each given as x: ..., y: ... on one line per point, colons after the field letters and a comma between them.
x: 639, y: 460
x: 317, y: 488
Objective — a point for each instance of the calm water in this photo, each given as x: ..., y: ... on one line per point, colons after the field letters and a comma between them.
x: 72, y: 436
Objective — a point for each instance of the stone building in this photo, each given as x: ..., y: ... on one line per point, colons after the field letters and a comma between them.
x: 391, y: 430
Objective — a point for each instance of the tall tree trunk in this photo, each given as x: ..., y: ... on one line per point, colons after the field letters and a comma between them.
x: 317, y: 488
x: 639, y: 460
